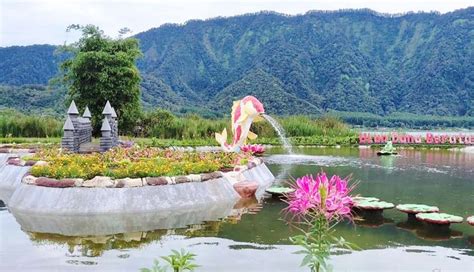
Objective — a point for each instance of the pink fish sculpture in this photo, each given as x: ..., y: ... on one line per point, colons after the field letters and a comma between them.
x: 244, y: 112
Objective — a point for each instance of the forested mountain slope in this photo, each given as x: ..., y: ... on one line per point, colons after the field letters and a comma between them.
x: 352, y: 60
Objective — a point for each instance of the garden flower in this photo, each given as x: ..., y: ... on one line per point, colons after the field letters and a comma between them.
x: 322, y: 201
x: 321, y: 195
x: 254, y: 149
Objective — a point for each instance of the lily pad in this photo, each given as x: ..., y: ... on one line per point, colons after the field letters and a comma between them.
x: 470, y: 220
x: 417, y: 208
x: 439, y: 218
x: 364, y: 198
x: 373, y: 205
x: 279, y: 190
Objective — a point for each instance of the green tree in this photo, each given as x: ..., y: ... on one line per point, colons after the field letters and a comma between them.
x: 102, y: 68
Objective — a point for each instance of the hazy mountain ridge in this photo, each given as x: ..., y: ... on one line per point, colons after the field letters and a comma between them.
x: 351, y: 60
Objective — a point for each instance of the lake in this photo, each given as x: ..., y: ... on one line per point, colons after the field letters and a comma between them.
x: 254, y: 238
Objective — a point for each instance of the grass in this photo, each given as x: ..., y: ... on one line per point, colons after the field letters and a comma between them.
x: 31, y: 141
x: 15, y: 124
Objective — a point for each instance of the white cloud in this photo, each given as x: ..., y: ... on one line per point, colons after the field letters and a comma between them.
x: 44, y: 21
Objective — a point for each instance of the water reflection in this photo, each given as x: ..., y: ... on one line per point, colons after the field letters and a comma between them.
x: 411, y: 224
x: 388, y: 163
x: 438, y: 235
x: 105, y: 224
x: 91, y: 236
x: 95, y: 246
x: 372, y: 220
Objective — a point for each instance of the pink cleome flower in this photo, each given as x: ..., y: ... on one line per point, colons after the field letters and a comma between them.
x: 319, y: 194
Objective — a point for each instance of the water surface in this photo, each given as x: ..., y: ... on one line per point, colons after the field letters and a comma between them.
x: 253, y: 237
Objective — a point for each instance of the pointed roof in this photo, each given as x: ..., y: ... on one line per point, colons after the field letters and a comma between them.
x: 105, y: 125
x: 108, y: 109
x: 114, y: 114
x: 87, y: 113
x: 72, y: 108
x: 68, y: 125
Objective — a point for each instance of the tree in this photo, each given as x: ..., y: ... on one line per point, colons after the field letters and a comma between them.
x: 102, y: 68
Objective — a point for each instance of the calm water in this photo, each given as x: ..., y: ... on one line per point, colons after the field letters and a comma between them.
x: 253, y: 238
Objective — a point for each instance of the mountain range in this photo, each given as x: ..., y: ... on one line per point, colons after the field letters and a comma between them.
x: 347, y: 60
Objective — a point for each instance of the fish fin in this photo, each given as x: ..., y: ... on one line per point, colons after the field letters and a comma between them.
x: 221, y: 138
x: 251, y: 135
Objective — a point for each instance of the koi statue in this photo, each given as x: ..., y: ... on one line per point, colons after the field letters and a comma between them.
x: 244, y: 112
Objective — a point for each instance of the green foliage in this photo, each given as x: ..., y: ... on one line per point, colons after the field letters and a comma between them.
x: 36, y: 99
x: 101, y: 69
x: 34, y: 64
x: 404, y: 120
x: 179, y: 261
x: 15, y: 124
x: 349, y: 60
x: 317, y: 243
x: 26, y: 142
x: 155, y: 268
x: 164, y: 125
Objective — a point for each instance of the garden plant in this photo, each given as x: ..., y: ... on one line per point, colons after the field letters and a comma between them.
x: 316, y: 206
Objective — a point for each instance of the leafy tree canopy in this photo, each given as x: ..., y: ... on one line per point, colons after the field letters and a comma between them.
x: 102, y: 68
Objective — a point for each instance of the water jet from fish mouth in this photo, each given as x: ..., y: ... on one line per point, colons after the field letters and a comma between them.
x: 281, y: 133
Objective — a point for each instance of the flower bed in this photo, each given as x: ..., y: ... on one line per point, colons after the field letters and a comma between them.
x: 132, y: 163
x: 134, y: 167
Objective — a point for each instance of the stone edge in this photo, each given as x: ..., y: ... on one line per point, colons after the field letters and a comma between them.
x: 107, y: 182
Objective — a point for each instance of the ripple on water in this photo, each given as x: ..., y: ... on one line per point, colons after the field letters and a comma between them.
x: 396, y: 163
x: 307, y: 160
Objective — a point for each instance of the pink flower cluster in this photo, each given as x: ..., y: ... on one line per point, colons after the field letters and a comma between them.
x: 319, y: 194
x: 254, y: 149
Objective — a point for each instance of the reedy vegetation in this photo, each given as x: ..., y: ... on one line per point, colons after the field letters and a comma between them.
x: 165, y: 129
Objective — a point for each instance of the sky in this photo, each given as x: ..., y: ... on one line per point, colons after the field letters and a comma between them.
x: 26, y: 22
